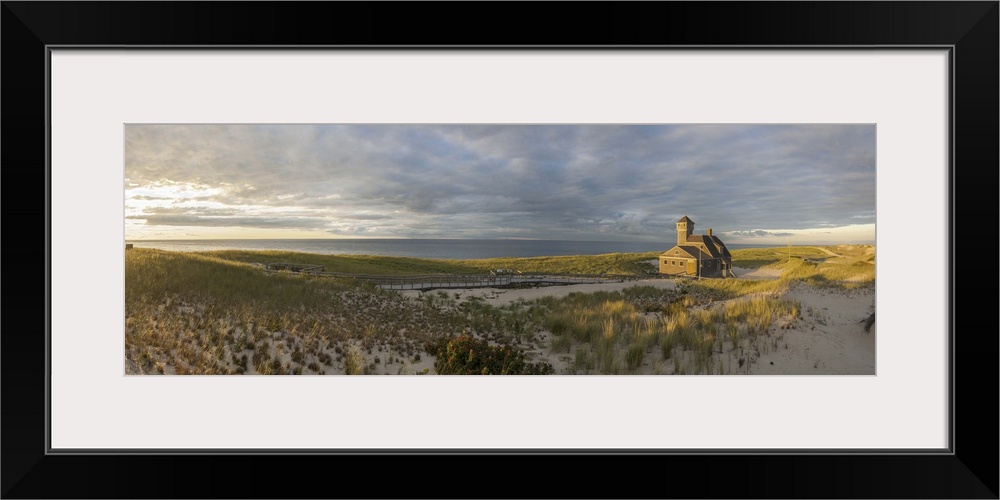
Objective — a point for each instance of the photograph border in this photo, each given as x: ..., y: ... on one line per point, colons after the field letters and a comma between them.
x: 31, y: 30
x: 107, y: 88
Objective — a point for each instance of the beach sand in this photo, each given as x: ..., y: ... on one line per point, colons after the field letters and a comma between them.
x: 831, y: 339
x: 756, y: 274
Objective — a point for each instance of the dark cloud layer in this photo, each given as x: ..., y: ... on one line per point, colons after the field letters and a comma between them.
x: 624, y: 182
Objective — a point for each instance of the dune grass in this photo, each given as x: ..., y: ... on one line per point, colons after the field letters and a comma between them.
x: 704, y: 319
x: 752, y: 258
x: 615, y: 332
x: 191, y: 313
x: 151, y: 273
x: 350, y: 264
x: 199, y: 313
x: 631, y: 264
x: 613, y: 264
x: 853, y: 268
x: 219, y: 313
x: 614, y: 327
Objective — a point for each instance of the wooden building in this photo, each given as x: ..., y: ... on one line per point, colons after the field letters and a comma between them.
x: 699, y: 255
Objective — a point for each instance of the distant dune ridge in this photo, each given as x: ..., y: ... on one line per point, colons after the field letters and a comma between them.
x: 790, y: 310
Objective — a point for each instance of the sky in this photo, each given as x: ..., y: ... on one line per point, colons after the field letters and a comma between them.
x: 766, y: 184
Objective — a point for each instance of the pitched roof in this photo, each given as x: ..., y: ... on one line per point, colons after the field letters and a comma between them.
x: 707, y: 241
x: 685, y: 219
x: 722, y: 246
x: 694, y: 251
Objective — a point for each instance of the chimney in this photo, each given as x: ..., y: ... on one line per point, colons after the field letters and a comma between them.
x: 710, y: 231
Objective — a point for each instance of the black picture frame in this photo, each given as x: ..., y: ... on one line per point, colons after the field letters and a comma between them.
x: 969, y: 29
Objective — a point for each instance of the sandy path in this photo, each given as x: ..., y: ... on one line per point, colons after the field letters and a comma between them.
x: 831, y: 339
x: 828, y: 252
x: 756, y: 274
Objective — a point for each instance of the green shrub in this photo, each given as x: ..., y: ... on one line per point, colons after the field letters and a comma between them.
x: 464, y: 355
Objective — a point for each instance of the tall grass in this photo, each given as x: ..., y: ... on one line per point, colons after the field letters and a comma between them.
x: 613, y: 330
x: 355, y: 361
x: 623, y: 337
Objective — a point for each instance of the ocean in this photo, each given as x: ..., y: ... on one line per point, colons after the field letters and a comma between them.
x: 420, y: 248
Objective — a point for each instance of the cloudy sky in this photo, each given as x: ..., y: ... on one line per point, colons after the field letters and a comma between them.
x: 808, y: 184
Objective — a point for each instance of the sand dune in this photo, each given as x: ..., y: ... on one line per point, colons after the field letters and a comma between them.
x: 830, y: 338
x: 384, y: 333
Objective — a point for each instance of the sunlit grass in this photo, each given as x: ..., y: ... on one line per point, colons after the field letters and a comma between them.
x: 811, y: 265
x: 753, y: 258
x: 153, y: 273
x: 612, y: 264
x: 624, y: 337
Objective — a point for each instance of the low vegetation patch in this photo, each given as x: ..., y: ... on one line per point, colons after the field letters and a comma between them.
x: 621, y: 332
x: 465, y: 355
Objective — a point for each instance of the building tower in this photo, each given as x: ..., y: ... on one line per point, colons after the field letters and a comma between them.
x: 685, y: 227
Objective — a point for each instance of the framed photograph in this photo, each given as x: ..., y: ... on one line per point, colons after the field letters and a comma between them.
x: 150, y: 106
